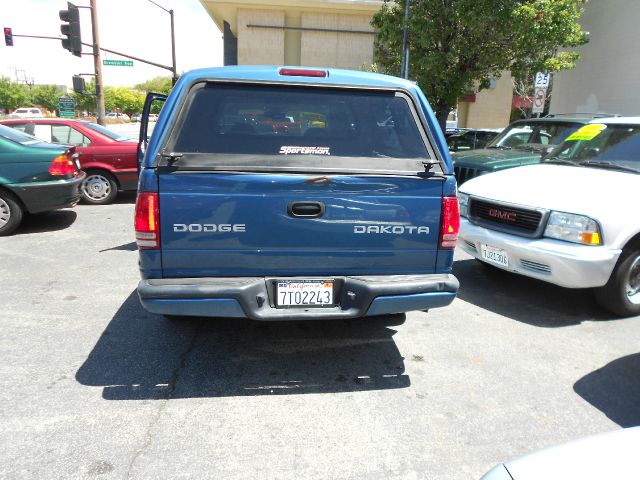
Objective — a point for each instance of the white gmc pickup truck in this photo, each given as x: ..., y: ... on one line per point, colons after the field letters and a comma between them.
x: 572, y: 220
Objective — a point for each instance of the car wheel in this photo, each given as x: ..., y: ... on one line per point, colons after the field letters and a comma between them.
x: 99, y: 188
x: 10, y: 214
x: 621, y: 294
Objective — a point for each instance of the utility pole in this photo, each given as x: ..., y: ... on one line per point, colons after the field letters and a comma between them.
x: 404, y: 65
x: 97, y: 64
x: 174, y: 77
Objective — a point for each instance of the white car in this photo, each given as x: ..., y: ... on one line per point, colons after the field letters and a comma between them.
x: 122, y: 116
x: 27, y: 112
x: 612, y: 455
x: 571, y: 220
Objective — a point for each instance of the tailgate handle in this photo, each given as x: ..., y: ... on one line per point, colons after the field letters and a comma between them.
x: 306, y: 209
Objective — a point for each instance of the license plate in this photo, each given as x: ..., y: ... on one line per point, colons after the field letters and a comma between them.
x: 295, y: 293
x: 494, y: 255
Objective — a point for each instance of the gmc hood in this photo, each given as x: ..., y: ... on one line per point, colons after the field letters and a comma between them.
x: 594, y: 192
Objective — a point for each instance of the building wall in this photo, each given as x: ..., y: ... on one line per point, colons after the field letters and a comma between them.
x: 492, y: 107
x: 336, y: 49
x: 298, y: 42
x: 607, y: 77
x: 260, y: 46
x: 292, y: 38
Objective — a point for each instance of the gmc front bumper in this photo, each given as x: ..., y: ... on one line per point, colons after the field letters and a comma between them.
x: 566, y: 264
x: 253, y: 297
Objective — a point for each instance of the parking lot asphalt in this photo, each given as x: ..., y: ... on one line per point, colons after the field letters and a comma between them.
x: 92, y: 386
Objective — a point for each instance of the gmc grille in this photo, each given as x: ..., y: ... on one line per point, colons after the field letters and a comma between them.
x: 515, y: 219
x: 463, y: 173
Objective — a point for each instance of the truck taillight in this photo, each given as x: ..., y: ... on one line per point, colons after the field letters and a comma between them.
x: 147, y: 221
x: 63, y: 165
x: 449, y: 222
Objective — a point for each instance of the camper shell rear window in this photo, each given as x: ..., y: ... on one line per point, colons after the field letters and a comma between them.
x: 298, y: 128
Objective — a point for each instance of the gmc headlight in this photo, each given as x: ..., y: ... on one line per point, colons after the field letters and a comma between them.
x: 463, y: 204
x: 573, y: 228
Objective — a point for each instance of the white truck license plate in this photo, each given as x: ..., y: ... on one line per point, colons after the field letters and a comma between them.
x: 292, y: 293
x: 494, y: 255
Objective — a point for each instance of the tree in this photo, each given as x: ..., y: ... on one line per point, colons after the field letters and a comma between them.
x: 46, y: 96
x: 126, y: 99
x: 156, y: 85
x: 86, y: 102
x: 457, y: 46
x: 12, y: 95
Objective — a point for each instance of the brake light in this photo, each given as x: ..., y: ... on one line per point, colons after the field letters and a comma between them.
x: 63, y: 165
x: 449, y: 222
x: 147, y: 221
x: 302, y: 72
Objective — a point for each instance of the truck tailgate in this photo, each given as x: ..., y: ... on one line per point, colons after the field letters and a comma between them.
x: 243, y: 224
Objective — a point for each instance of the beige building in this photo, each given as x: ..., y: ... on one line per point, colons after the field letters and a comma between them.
x: 607, y: 77
x: 327, y: 33
x: 324, y: 33
x: 489, y: 108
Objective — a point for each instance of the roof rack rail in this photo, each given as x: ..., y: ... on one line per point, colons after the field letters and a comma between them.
x: 586, y: 114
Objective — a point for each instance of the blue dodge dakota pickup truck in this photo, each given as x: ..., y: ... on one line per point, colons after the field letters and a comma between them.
x: 276, y: 193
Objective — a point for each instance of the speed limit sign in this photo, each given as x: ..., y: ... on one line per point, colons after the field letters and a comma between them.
x: 542, y: 80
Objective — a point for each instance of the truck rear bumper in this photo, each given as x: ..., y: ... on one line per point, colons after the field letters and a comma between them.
x: 253, y: 297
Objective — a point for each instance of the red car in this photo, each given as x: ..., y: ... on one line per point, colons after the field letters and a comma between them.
x: 109, y: 158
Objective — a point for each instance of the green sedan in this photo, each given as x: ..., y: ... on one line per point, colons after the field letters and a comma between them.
x: 35, y: 177
x: 522, y: 143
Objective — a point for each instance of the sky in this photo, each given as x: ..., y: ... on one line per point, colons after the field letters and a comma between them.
x: 136, y: 27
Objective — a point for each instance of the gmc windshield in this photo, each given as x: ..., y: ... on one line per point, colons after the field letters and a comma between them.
x: 602, y: 146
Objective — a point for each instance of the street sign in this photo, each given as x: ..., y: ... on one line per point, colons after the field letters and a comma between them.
x: 539, y: 99
x: 67, y: 107
x: 542, y: 80
x: 118, y: 63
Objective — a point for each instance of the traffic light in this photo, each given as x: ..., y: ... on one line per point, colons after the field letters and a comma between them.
x: 8, y: 37
x: 71, y: 29
x: 78, y: 84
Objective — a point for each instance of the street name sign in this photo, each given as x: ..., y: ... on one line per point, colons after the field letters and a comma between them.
x: 118, y: 63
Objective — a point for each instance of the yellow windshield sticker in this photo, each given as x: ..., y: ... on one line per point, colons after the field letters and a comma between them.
x: 588, y: 132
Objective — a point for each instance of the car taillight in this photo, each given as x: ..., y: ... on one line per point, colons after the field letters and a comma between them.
x: 63, y: 165
x: 449, y: 222
x: 147, y: 221
x: 302, y: 72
